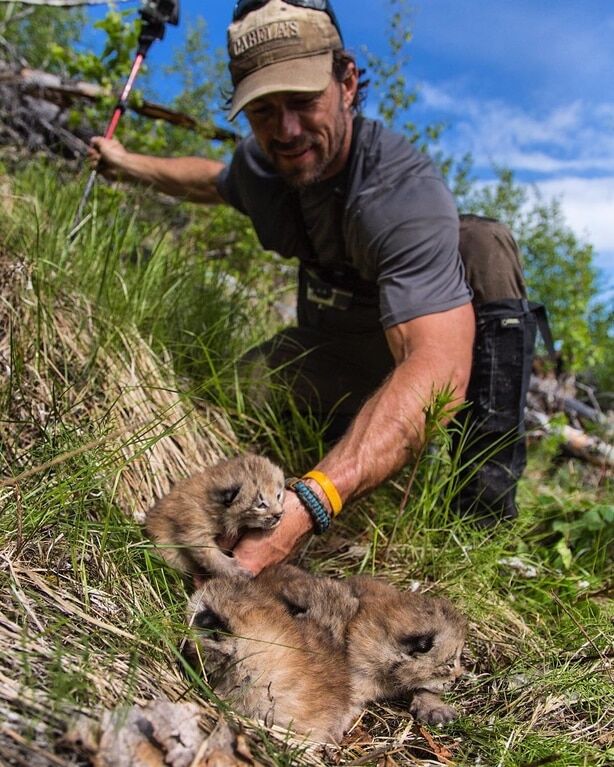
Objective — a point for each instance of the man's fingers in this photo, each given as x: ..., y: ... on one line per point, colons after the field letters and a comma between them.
x: 258, y: 549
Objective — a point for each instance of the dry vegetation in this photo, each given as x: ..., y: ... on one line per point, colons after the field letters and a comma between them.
x: 93, y: 428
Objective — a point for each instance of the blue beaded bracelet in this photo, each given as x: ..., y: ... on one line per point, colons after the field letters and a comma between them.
x: 312, y: 503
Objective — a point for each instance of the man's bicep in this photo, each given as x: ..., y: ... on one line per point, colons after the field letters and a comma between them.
x: 442, y: 342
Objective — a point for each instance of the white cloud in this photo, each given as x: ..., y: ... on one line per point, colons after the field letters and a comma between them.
x: 572, y: 138
x: 567, y: 152
x: 588, y: 207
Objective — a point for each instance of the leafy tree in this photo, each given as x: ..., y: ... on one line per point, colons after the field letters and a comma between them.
x: 203, y: 81
x: 559, y: 267
x: 31, y: 32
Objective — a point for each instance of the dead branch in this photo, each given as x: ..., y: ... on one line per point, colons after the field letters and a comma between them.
x: 63, y: 3
x: 53, y: 89
x: 575, y: 441
x: 553, y: 394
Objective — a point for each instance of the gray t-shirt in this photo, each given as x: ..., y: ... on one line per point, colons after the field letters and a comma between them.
x: 385, y: 227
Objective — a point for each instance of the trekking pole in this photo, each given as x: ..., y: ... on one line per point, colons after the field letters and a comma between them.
x: 154, y: 15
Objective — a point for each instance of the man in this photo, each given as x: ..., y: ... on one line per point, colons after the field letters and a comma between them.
x: 385, y: 316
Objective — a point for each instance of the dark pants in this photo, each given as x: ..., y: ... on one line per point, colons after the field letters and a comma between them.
x: 335, y: 359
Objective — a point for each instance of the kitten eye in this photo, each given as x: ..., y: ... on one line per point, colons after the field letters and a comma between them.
x: 418, y: 643
x: 293, y: 608
x: 280, y: 496
x: 212, y: 623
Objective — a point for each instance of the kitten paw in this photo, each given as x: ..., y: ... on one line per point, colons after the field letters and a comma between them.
x: 428, y: 707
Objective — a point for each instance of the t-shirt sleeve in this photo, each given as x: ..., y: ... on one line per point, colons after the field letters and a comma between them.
x: 228, y: 184
x: 418, y: 265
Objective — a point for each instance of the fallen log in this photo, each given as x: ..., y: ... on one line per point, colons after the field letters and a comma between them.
x: 575, y: 441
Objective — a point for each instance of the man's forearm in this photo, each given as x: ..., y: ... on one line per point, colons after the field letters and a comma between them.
x: 386, y: 434
x: 389, y: 429
x: 433, y: 354
x: 190, y: 178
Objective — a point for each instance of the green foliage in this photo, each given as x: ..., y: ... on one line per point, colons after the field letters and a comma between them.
x: 174, y: 287
x: 116, y: 58
x: 394, y: 96
x: 582, y: 531
x: 34, y: 32
x: 202, y: 80
x: 109, y: 69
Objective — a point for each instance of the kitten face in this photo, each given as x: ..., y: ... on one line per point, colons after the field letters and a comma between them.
x: 399, y: 641
x: 216, y: 611
x: 218, y: 502
x: 254, y: 500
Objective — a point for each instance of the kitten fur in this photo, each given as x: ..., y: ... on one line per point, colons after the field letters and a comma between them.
x: 327, y: 603
x: 360, y: 640
x: 402, y: 642
x: 267, y: 663
x: 396, y: 643
x: 246, y: 491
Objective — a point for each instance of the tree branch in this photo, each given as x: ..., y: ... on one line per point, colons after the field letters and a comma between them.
x: 52, y: 89
x: 64, y: 3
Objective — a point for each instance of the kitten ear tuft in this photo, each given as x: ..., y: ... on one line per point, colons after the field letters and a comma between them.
x: 293, y: 607
x: 418, y: 643
x: 227, y: 495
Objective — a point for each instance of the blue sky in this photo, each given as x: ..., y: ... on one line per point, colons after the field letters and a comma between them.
x: 527, y: 84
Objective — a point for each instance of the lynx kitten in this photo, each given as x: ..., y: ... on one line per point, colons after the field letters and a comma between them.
x: 396, y: 643
x: 403, y: 643
x: 267, y: 663
x: 242, y: 492
x: 309, y: 652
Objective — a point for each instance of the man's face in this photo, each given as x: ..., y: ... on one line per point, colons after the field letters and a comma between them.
x: 306, y: 136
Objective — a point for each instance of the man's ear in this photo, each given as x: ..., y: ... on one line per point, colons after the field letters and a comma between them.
x: 349, y: 86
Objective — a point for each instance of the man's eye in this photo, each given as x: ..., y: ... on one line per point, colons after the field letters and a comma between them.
x: 304, y: 102
x: 256, y: 113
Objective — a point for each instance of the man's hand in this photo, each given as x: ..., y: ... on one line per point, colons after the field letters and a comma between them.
x: 259, y: 549
x: 107, y: 155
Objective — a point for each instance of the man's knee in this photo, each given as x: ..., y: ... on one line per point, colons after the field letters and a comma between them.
x: 491, y: 258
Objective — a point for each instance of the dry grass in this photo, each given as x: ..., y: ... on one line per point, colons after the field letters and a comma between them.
x: 67, y: 620
x: 93, y: 429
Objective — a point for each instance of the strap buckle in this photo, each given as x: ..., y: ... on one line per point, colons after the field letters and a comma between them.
x: 321, y: 293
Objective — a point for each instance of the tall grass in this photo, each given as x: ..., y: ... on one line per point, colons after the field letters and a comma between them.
x: 113, y: 349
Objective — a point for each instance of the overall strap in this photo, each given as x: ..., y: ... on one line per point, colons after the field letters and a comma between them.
x: 541, y: 316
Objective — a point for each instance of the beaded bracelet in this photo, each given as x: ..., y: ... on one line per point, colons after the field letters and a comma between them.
x: 329, y: 490
x: 311, y: 502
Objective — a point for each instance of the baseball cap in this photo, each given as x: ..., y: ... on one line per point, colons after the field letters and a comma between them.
x: 281, y: 45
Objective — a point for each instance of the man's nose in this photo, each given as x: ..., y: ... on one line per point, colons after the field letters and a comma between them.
x: 288, y: 124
